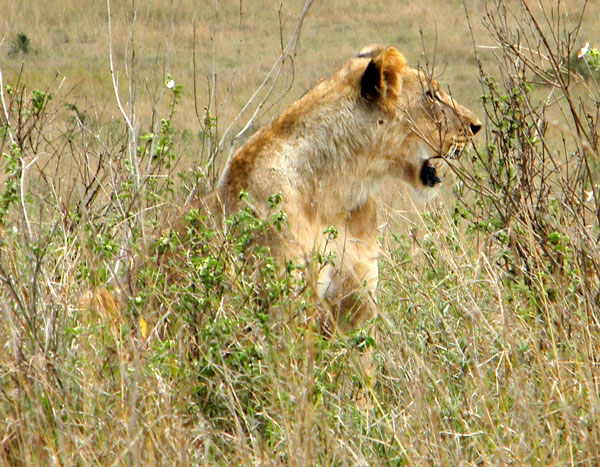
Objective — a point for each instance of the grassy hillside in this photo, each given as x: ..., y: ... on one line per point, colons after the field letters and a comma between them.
x: 205, y: 353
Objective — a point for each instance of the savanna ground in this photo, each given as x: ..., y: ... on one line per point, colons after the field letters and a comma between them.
x: 489, y: 331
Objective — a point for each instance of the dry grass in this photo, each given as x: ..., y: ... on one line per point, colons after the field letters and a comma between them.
x: 239, y: 48
x: 489, y: 329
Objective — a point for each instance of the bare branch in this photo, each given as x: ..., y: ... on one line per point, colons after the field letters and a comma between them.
x: 274, y: 73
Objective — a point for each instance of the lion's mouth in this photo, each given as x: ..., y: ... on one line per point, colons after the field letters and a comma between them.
x: 429, y: 175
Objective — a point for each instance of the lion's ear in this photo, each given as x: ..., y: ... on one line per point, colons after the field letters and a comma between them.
x: 382, y: 76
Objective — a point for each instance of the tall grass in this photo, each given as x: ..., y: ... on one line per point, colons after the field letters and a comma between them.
x: 205, y: 353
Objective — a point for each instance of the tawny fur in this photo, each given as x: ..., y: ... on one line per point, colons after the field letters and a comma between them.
x: 375, y: 120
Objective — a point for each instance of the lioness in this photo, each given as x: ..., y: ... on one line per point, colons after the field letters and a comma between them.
x: 329, y: 153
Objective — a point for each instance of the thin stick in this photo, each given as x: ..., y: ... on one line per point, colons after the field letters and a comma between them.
x: 116, y: 91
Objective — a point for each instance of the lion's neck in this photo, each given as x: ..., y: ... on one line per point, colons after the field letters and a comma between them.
x: 341, y: 165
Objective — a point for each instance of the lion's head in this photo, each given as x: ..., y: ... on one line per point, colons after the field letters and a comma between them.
x: 421, y: 126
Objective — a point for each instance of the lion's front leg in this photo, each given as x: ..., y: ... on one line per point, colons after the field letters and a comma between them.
x: 350, y: 296
x: 355, y: 307
x: 358, y: 275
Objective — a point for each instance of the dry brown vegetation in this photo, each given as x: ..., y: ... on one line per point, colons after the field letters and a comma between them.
x: 490, y: 329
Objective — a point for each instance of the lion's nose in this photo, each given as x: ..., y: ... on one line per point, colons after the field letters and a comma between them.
x: 475, y: 127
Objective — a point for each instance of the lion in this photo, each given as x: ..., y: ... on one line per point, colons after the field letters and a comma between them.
x: 327, y: 157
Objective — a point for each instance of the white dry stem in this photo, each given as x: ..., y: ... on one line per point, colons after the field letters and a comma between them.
x: 132, y: 134
x: 24, y: 167
x: 116, y: 90
x: 5, y: 110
